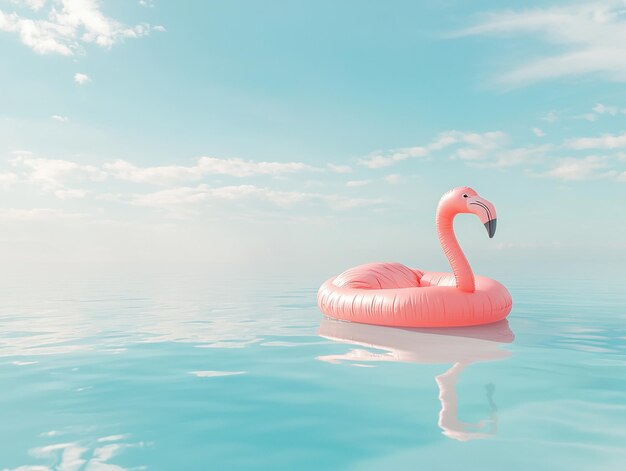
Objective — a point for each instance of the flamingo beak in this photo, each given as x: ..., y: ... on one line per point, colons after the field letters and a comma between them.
x: 485, y: 211
x: 491, y: 227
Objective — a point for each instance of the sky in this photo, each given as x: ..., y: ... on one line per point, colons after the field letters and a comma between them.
x: 310, y: 135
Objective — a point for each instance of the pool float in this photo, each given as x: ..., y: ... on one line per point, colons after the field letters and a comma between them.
x: 392, y: 294
x: 459, y: 346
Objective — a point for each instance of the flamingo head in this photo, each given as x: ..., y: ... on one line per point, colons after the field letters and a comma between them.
x: 466, y: 200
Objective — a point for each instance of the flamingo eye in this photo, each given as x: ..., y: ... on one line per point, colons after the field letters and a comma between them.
x: 464, y: 196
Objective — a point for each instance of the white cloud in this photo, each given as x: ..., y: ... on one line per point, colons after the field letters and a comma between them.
x: 41, y: 36
x: 163, y: 175
x: 387, y: 159
x: 159, y: 28
x: 241, y: 168
x: 7, y: 179
x: 59, y: 177
x: 550, y: 116
x: 571, y: 169
x: 81, y: 79
x: 173, y: 197
x: 193, y: 195
x: 38, y: 214
x: 357, y: 183
x: 52, y: 174
x: 538, y: 132
x: 340, y: 203
x: 483, y: 140
x: 602, y: 109
x: 34, y: 5
x: 476, y: 146
x: 154, y: 175
x: 599, y: 110
x: 394, y: 179
x: 59, y: 118
x: 515, y: 156
x: 189, y: 196
x: 67, y: 194
x: 588, y: 38
x: 339, y: 168
x: 607, y: 141
x: 67, y: 25
x: 587, y: 116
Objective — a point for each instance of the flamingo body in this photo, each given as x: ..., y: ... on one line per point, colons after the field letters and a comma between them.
x: 434, y: 302
x: 379, y: 276
x: 392, y: 294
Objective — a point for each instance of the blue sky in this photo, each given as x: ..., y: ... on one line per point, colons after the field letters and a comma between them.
x: 317, y: 134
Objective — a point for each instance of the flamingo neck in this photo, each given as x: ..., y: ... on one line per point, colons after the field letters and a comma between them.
x: 460, y: 266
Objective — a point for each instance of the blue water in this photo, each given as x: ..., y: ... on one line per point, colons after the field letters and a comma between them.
x: 170, y: 372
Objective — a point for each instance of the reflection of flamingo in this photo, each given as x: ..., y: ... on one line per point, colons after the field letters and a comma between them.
x: 395, y: 295
x: 448, y: 414
x: 460, y: 346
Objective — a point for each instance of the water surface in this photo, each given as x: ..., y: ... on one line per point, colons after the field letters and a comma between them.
x: 165, y: 371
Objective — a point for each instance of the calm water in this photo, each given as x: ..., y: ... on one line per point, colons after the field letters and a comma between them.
x: 168, y: 372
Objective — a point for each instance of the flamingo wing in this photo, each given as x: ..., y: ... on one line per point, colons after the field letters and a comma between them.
x: 379, y: 276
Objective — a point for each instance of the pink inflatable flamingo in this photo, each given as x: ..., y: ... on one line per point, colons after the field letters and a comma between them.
x: 392, y: 294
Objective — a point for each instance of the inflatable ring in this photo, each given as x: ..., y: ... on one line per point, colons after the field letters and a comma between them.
x: 392, y: 294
